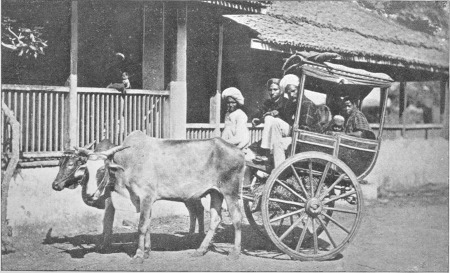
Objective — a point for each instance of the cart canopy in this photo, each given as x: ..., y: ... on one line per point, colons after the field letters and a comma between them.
x: 345, y: 75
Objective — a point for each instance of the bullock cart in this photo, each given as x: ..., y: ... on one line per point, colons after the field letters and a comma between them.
x: 311, y: 205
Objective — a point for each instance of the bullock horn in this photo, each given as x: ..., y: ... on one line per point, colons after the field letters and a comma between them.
x: 89, y: 146
x: 114, y: 150
x: 82, y: 151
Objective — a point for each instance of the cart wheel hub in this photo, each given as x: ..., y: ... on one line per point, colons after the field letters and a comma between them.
x: 314, y: 206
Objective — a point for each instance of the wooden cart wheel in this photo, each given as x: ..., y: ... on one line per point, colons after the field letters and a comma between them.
x: 312, y: 206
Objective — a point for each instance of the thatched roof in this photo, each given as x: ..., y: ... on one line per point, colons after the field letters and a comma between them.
x: 345, y: 28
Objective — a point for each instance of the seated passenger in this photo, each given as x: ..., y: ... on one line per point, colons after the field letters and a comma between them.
x: 336, y: 125
x: 356, y: 123
x: 310, y: 117
x: 235, y: 131
x: 276, y: 128
x: 275, y: 114
x: 275, y: 106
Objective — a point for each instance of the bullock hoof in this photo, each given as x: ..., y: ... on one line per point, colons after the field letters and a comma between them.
x: 146, y: 255
x: 139, y: 257
x: 137, y: 260
x: 234, y: 255
x: 198, y: 253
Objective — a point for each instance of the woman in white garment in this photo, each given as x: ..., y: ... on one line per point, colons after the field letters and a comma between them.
x: 236, y: 131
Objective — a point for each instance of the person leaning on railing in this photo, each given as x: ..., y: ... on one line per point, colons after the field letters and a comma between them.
x: 117, y: 74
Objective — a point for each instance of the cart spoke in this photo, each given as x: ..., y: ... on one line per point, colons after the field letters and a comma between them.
x: 316, y: 246
x: 339, y: 197
x: 302, y: 236
x: 310, y: 178
x: 246, y: 197
x: 341, y: 210
x: 332, y: 186
x: 291, y: 228
x: 292, y: 222
x: 280, y: 225
x: 291, y: 190
x: 286, y: 215
x: 336, y: 222
x: 322, y: 180
x: 326, y: 231
x: 287, y: 202
x: 299, y: 180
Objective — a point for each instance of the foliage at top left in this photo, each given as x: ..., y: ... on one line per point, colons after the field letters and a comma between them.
x: 23, y: 40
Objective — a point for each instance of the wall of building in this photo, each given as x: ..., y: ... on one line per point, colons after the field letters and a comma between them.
x: 202, y: 57
x: 248, y: 69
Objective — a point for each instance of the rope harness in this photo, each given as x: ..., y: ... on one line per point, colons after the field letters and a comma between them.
x: 102, y: 185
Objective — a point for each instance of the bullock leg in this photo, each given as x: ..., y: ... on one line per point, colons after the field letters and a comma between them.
x: 200, y: 216
x: 108, y: 220
x: 195, y: 209
x: 144, y: 244
x: 234, y: 209
x: 190, y: 205
x: 216, y: 218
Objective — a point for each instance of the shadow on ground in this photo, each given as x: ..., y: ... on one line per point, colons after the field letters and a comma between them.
x: 79, y: 245
x: 253, y: 244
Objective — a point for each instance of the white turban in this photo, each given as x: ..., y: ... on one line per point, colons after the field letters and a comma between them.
x: 338, y: 120
x: 289, y: 79
x: 234, y: 93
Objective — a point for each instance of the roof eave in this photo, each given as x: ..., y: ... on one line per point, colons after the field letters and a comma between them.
x: 383, y: 60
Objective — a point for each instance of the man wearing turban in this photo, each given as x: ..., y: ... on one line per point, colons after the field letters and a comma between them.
x: 235, y: 131
x: 275, y: 129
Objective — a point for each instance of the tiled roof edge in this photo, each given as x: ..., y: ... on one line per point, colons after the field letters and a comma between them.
x: 349, y: 53
x: 395, y: 41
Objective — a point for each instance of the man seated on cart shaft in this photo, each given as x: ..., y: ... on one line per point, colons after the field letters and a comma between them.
x: 356, y: 123
x: 276, y: 128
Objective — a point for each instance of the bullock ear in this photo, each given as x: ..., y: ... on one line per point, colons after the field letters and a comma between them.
x: 80, y: 172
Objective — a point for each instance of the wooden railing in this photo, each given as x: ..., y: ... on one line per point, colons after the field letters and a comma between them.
x: 40, y: 111
x: 103, y: 113
x: 205, y: 130
x: 410, y: 130
x: 106, y: 113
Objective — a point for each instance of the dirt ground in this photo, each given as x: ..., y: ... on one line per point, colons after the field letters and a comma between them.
x: 407, y: 232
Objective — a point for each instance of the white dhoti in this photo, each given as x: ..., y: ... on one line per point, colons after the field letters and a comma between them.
x: 275, y: 129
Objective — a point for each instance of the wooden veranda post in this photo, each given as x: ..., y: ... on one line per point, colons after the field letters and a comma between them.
x: 402, y: 102
x: 215, y: 101
x: 7, y: 175
x: 71, y: 124
x: 178, y: 87
x: 153, y: 46
x: 444, y: 108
